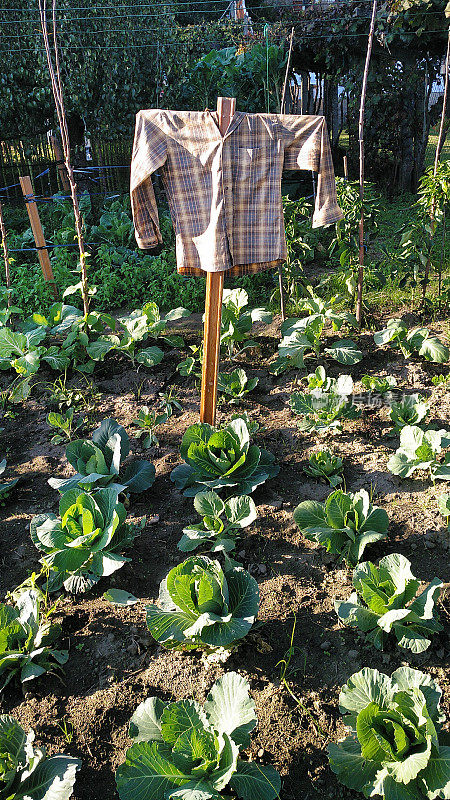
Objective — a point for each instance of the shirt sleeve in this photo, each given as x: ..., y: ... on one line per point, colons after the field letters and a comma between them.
x: 307, y: 146
x: 149, y: 154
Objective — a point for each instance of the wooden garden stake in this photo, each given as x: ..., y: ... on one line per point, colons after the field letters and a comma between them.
x: 282, y: 109
x: 439, y: 146
x: 213, y: 305
x: 60, y: 163
x: 57, y: 89
x: 5, y: 254
x: 345, y: 167
x: 38, y: 233
x: 361, y: 166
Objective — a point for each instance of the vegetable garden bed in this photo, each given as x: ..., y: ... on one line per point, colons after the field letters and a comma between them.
x: 298, y: 655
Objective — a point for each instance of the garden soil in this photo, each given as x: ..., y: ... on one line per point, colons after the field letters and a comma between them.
x: 114, y: 664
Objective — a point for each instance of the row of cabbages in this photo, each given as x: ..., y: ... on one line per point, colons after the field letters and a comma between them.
x: 209, y: 601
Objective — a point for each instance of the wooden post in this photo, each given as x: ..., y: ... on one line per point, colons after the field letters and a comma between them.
x: 5, y: 254
x: 440, y: 144
x: 282, y: 110
x: 359, y: 291
x: 345, y: 167
x: 62, y: 172
x: 213, y: 306
x: 38, y: 233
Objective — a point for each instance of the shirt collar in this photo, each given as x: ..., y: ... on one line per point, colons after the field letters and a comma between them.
x: 236, y: 120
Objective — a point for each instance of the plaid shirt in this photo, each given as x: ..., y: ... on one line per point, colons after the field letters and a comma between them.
x: 224, y: 192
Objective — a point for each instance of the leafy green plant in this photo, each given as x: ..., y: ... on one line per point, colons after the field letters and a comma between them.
x: 440, y: 380
x: 323, y: 410
x: 7, y: 487
x: 147, y: 420
x: 374, y: 383
x: 25, y: 771
x: 22, y: 352
x: 214, y: 532
x: 86, y: 542
x: 385, y: 605
x: 26, y: 641
x: 345, y: 524
x: 170, y: 402
x: 184, y: 750
x: 410, y: 410
x: 303, y: 336
x: 99, y: 462
x: 444, y: 507
x: 252, y: 425
x: 393, y: 748
x: 237, y: 320
x: 218, y: 458
x: 65, y: 423
x: 235, y: 385
x: 421, y: 450
x: 192, y: 365
x: 203, y: 606
x: 417, y: 340
x: 325, y: 466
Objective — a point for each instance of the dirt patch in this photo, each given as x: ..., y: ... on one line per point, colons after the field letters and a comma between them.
x: 114, y: 664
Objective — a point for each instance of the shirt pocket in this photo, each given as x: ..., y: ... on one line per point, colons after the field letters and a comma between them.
x: 251, y: 163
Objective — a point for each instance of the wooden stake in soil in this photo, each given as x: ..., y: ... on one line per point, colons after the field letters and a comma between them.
x: 439, y: 146
x: 282, y: 109
x: 345, y: 167
x: 5, y: 254
x: 361, y: 165
x: 60, y: 163
x: 213, y: 305
x: 55, y: 78
x: 38, y: 233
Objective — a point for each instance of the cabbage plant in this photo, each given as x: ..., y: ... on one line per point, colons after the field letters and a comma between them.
x: 23, y: 352
x: 444, y: 507
x: 345, y: 524
x: 325, y: 466
x: 394, y: 749
x: 323, y: 409
x: 99, y: 462
x: 380, y: 385
x: 385, y: 605
x: 221, y: 458
x: 7, y: 487
x: 185, y: 750
x: 235, y: 385
x: 26, y: 642
x: 421, y: 450
x: 87, y: 540
x: 410, y: 410
x: 222, y: 522
x: 25, y: 771
x: 202, y: 605
x: 237, y: 320
x: 418, y: 340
